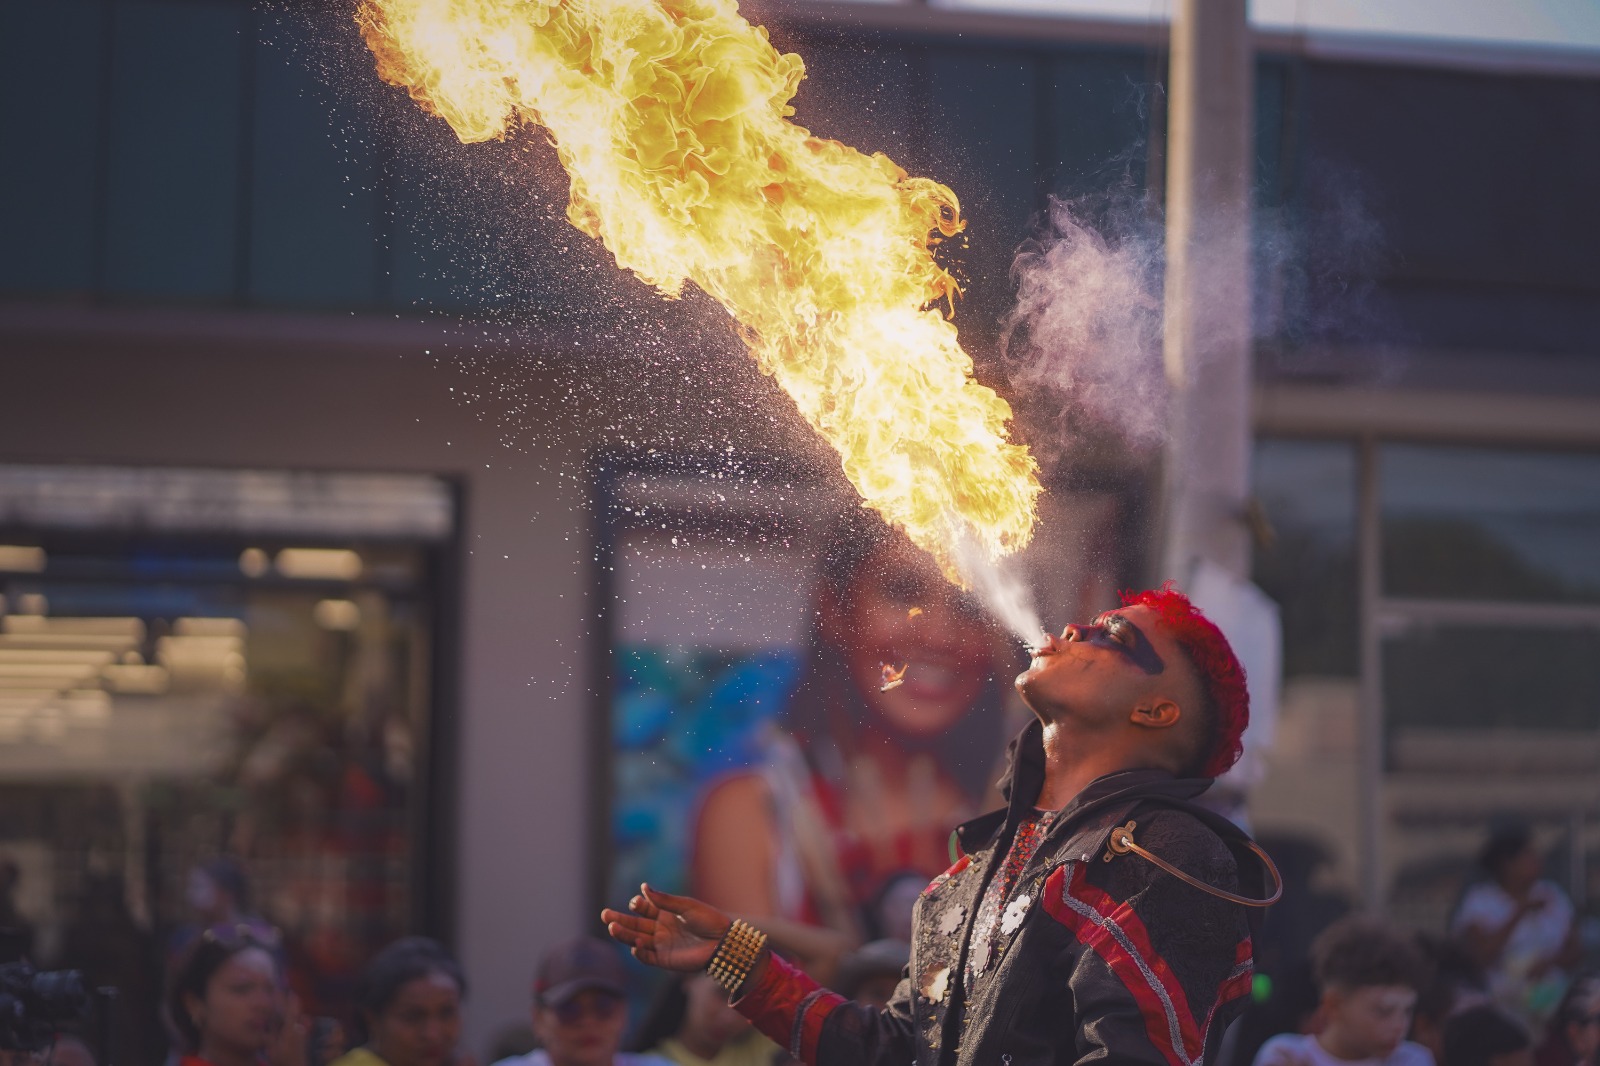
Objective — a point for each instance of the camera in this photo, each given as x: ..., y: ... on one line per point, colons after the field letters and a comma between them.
x: 35, y: 1003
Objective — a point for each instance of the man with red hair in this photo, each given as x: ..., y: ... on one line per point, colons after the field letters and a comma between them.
x: 1101, y: 916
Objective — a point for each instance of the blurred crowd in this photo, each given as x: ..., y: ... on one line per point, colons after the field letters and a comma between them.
x: 1510, y: 982
x: 1504, y: 985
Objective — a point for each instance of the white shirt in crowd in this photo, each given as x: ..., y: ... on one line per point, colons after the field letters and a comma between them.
x: 1296, y: 1049
x: 1539, y: 933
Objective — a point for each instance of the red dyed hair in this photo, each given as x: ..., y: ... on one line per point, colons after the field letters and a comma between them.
x: 1221, y: 675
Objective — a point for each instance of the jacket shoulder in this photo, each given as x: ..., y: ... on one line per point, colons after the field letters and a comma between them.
x: 1177, y: 837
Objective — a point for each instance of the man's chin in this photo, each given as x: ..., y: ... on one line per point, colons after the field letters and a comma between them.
x: 1030, y: 696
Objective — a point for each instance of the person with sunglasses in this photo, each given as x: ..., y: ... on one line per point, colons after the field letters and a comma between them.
x: 1100, y: 917
x: 580, y: 1009
x: 408, y: 1000
x: 1573, y: 1035
x: 228, y: 1006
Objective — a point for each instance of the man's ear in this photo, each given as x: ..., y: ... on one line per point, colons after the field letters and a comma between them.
x: 1157, y: 714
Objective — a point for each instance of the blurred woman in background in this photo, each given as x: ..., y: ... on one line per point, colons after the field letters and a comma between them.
x: 827, y: 844
x: 227, y: 1004
x: 1518, y: 926
x: 408, y: 1001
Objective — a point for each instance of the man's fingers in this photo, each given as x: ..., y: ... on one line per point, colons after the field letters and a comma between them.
x: 632, y: 923
x: 666, y: 900
x: 608, y: 916
x: 631, y: 937
x: 626, y: 937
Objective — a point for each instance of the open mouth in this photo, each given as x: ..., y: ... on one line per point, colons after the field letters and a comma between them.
x: 1048, y: 646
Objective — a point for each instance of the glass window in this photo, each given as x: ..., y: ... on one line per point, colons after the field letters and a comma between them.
x: 314, y: 200
x: 176, y: 95
x: 1307, y: 491
x: 180, y: 699
x: 1514, y: 676
x: 981, y: 144
x: 50, y: 130
x: 860, y: 92
x: 1098, y: 127
x: 1484, y: 524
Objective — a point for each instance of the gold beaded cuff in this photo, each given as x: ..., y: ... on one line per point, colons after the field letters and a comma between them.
x: 736, y: 955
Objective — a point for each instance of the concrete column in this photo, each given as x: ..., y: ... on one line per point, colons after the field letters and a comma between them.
x: 1207, y: 313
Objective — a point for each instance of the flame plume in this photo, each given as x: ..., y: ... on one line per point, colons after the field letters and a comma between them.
x: 671, y: 118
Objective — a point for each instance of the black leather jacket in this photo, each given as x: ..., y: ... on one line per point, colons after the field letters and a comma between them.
x: 1103, y: 958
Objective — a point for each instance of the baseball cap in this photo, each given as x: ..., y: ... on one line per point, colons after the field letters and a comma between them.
x: 577, y: 966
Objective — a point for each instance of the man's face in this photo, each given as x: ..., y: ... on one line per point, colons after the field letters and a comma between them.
x: 1097, y: 673
x: 1373, y: 1019
x: 582, y: 1030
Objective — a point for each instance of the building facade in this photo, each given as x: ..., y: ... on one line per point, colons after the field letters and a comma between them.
x: 254, y: 304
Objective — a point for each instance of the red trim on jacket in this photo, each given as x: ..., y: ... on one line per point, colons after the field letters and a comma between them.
x: 1115, y: 932
x: 960, y: 864
x: 788, y: 1008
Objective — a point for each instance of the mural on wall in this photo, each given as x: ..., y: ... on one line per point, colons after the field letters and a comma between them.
x: 801, y: 708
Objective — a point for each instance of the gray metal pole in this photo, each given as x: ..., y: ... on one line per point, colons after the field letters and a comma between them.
x: 1207, y: 306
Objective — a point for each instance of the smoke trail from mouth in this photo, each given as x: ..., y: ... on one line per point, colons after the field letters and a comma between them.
x: 1003, y: 591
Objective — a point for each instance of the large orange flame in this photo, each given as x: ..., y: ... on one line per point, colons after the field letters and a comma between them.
x: 671, y: 118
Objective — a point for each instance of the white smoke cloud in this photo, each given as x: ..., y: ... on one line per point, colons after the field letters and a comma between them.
x: 1084, y: 340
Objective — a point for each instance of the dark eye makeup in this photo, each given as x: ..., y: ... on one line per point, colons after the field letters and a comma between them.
x: 1128, y: 637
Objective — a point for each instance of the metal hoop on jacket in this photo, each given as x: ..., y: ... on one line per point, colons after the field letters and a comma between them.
x: 1122, y: 842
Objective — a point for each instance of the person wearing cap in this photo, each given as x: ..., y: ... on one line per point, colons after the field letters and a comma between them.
x: 580, y: 1009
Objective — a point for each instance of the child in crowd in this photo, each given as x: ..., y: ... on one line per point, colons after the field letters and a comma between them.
x: 1485, y: 1035
x: 1369, y: 975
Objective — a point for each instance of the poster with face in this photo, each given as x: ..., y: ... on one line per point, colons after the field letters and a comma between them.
x: 800, y: 707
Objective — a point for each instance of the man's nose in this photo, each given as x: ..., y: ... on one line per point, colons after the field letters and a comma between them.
x: 1074, y: 631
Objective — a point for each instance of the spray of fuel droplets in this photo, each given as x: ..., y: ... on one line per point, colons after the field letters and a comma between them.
x: 672, y: 122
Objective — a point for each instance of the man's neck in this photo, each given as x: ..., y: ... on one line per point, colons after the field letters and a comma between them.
x: 1073, y: 762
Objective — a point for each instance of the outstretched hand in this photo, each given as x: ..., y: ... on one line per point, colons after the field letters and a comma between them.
x: 672, y: 932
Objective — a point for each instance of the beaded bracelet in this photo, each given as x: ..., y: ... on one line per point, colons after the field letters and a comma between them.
x: 735, y: 956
